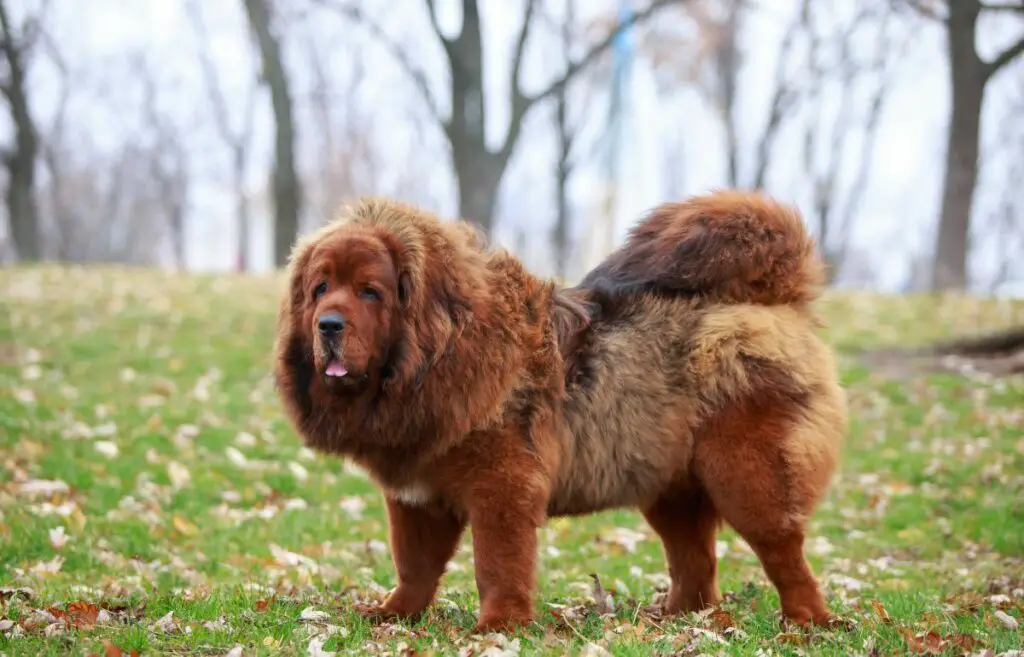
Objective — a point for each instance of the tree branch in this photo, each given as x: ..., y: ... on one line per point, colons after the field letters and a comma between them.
x: 783, y: 98
x: 520, y: 103
x: 599, y: 48
x: 1004, y: 58
x: 213, y: 91
x: 526, y: 102
x: 924, y: 8
x: 357, y: 15
x: 432, y: 12
x: 1017, y: 7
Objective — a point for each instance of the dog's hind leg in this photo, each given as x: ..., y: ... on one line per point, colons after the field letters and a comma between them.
x: 686, y: 523
x: 765, y: 467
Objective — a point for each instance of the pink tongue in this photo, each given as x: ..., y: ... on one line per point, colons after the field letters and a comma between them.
x: 334, y: 368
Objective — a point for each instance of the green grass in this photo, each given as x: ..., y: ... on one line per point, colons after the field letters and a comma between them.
x: 181, y: 490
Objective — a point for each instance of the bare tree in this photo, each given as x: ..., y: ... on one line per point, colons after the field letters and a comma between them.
x: 1006, y: 227
x: 566, y: 136
x: 348, y: 162
x: 969, y: 76
x: 17, y: 43
x: 479, y: 169
x: 827, y: 139
x: 105, y: 207
x: 167, y: 162
x: 59, y: 210
x: 712, y: 62
x: 236, y: 139
x: 829, y: 54
x: 287, y: 194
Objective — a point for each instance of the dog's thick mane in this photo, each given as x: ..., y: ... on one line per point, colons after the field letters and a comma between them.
x: 437, y: 379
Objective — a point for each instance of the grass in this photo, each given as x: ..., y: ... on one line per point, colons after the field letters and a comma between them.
x: 153, y: 499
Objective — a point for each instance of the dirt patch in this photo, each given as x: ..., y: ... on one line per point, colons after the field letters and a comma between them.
x: 997, y: 354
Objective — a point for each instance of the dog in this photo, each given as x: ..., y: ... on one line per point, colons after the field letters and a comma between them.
x: 681, y: 377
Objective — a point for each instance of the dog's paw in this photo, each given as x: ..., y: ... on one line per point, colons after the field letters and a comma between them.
x: 499, y: 619
x: 825, y: 621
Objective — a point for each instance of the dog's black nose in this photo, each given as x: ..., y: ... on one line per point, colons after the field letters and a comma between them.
x: 331, y: 323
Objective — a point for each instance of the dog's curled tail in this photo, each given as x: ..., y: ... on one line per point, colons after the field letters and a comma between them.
x: 727, y: 247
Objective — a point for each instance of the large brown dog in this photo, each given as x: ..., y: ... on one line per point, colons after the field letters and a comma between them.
x: 681, y: 377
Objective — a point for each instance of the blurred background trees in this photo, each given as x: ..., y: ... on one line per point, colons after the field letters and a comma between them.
x: 207, y: 136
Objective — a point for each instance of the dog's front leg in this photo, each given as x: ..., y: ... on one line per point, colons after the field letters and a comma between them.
x: 504, y: 523
x: 423, y: 540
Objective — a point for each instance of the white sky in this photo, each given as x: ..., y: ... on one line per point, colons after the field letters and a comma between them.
x: 896, y: 215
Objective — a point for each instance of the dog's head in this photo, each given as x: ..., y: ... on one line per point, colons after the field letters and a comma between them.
x: 373, y: 300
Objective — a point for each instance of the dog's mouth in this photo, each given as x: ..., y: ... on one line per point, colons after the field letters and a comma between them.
x: 331, y: 359
x: 335, y: 368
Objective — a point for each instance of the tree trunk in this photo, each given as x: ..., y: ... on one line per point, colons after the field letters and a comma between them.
x: 241, y: 210
x: 560, y: 238
x: 285, y: 181
x: 20, y: 199
x: 479, y: 179
x: 967, y: 73
x: 561, y: 233
x: 20, y: 161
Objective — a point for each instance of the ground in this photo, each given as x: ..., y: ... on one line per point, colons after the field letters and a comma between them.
x: 153, y: 499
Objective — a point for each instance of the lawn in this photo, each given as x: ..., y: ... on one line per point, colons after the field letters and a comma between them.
x: 153, y: 499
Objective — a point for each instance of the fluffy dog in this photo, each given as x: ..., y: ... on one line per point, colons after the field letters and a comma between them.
x: 682, y: 377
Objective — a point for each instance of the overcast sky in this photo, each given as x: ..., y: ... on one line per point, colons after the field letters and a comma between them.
x: 894, y: 223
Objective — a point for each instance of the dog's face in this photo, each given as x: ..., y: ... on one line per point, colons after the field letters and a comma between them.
x: 347, y: 301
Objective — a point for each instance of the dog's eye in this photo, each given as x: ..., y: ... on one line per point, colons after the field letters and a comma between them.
x: 370, y: 294
x: 319, y: 290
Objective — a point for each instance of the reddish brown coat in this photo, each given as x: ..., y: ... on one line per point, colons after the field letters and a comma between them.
x: 682, y: 378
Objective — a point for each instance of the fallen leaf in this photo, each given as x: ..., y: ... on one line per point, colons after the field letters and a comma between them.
x: 11, y: 593
x: 965, y: 642
x: 721, y: 619
x: 166, y: 623
x: 594, y: 650
x: 1006, y: 620
x: 792, y: 638
x: 79, y: 614
x: 41, y: 488
x: 625, y: 538
x: 880, y: 610
x: 316, y: 648
x: 930, y: 642
x: 57, y: 537
x: 184, y: 526
x: 111, y: 650
x: 604, y: 603
x: 311, y: 614
x: 107, y: 448
x: 178, y: 474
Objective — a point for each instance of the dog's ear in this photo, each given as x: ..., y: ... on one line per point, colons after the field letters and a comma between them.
x: 570, y: 316
x: 433, y: 311
x: 404, y: 289
x: 293, y: 367
x: 298, y: 263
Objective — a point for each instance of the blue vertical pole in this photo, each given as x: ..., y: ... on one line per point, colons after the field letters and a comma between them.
x: 622, y: 59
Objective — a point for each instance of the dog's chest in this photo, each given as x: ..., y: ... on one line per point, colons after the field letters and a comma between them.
x: 416, y: 494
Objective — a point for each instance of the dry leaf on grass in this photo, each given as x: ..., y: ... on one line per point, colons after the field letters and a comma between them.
x: 112, y: 650
x: 880, y: 610
x: 7, y: 593
x: 930, y: 642
x: 1006, y: 620
x: 603, y: 601
x: 313, y: 615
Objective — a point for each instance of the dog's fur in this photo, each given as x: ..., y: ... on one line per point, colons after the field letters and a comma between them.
x: 682, y: 377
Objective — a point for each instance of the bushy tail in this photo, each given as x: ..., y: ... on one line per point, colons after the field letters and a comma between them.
x: 729, y: 247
